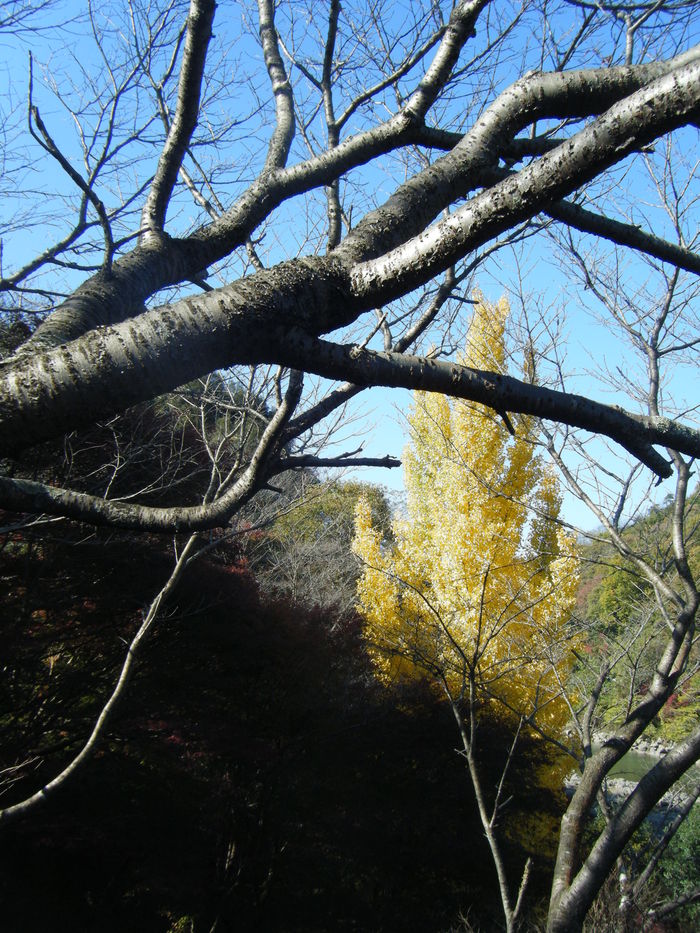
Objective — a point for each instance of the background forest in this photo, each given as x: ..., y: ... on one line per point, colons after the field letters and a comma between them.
x: 259, y: 773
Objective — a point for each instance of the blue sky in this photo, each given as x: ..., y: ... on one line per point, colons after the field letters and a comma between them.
x: 535, y: 277
x: 587, y: 345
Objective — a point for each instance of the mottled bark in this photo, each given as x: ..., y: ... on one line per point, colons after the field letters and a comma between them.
x: 265, y: 318
x: 573, y: 897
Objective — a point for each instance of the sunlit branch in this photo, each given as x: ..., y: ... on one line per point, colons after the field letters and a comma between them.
x: 625, y: 234
x: 636, y: 433
x: 199, y: 23
x: 281, y: 140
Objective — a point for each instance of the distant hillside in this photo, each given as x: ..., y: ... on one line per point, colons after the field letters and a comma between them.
x: 616, y: 602
x: 608, y: 583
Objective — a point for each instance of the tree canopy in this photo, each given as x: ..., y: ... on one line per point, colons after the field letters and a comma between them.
x: 479, y: 585
x: 476, y: 591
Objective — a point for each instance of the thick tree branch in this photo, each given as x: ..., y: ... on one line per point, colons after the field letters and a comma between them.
x: 668, y: 102
x: 619, y: 830
x: 26, y: 495
x: 20, y: 495
x: 613, y: 92
x: 199, y: 23
x: 636, y: 433
x: 340, y: 396
x: 624, y: 234
x: 349, y: 459
x: 69, y: 385
x: 690, y: 897
x: 281, y: 141
x: 459, y: 30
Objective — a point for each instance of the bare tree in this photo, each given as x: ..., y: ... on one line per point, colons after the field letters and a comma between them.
x: 315, y: 193
x: 306, y: 554
x: 100, y: 350
x: 653, y: 653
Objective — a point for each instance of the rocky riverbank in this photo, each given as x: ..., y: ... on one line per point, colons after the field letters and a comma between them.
x: 643, y: 757
x: 655, y: 748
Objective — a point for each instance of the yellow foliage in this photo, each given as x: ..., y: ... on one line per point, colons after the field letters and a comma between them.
x: 480, y: 582
x: 536, y: 833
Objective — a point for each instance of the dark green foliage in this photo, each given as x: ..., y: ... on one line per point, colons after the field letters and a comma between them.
x: 306, y: 554
x: 619, y: 596
x: 14, y: 330
x: 612, y: 590
x: 680, y: 869
x: 255, y: 772
x: 616, y: 601
x: 332, y: 506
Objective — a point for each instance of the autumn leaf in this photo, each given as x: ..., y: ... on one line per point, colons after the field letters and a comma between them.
x: 479, y: 583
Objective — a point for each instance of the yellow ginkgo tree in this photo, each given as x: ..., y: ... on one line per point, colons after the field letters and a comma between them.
x: 476, y: 590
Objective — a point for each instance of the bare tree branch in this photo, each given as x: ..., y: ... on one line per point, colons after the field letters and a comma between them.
x: 199, y: 23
